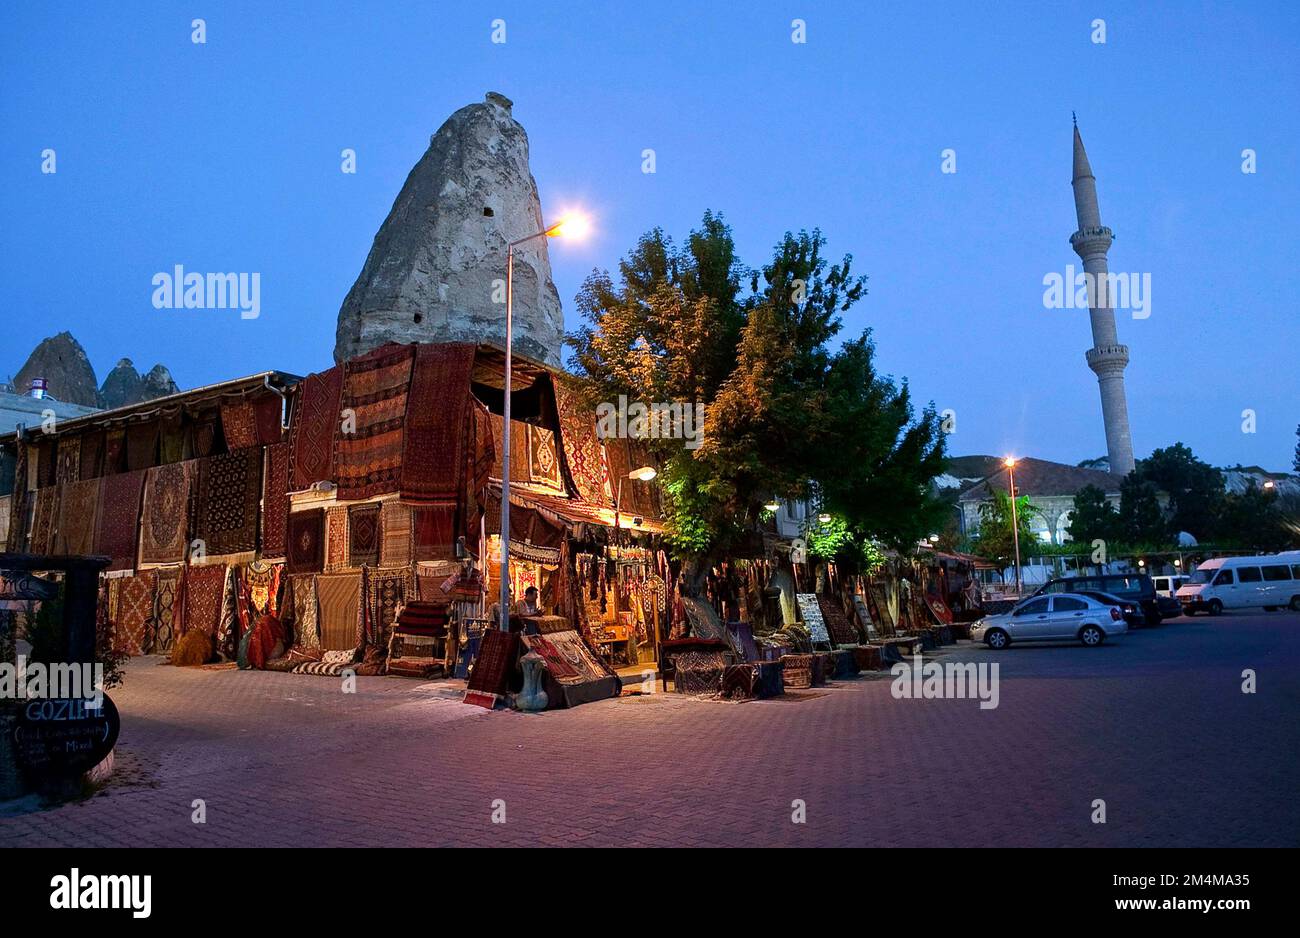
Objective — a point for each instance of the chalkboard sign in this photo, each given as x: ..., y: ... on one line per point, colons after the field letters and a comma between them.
x: 812, y: 617
x: 64, y: 737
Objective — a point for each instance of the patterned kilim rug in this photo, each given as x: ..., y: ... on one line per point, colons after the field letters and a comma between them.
x: 275, y: 501
x: 433, y: 465
x: 68, y: 468
x: 205, y: 593
x: 368, y: 452
x: 582, y: 450
x: 135, y: 599
x: 387, y: 590
x: 494, y: 667
x: 336, y: 537
x: 239, y: 423
x: 363, y: 535
x: 306, y: 547
x: 837, y: 622
x: 312, y: 440
x: 165, y: 513
x: 161, y: 629
x: 230, y: 489
x: 306, y: 626
x: 78, y: 505
x: 543, y: 463
x: 117, y: 528
x: 338, y: 605
x: 395, y: 545
x: 43, y: 521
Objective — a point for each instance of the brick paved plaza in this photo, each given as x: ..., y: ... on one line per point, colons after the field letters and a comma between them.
x: 1155, y: 724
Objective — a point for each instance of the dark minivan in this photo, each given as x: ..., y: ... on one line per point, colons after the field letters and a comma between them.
x: 1135, y: 587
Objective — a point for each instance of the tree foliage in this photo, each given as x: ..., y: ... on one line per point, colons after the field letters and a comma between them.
x: 996, y: 539
x: 1093, y: 517
x: 788, y: 415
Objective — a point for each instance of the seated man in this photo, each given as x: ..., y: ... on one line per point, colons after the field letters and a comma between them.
x: 530, y: 605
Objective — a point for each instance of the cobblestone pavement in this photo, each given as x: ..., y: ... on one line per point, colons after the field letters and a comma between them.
x: 1155, y: 724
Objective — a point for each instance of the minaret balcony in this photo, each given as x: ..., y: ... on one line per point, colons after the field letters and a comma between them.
x: 1093, y: 240
x: 1111, y: 359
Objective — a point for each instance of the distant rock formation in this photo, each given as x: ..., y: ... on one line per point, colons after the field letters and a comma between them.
x: 438, y: 264
x: 158, y: 383
x: 70, y: 378
x: 124, y: 385
x: 67, y: 371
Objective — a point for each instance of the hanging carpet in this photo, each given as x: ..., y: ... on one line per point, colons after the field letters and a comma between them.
x: 438, y: 424
x: 368, y: 446
x: 117, y: 525
x: 164, y: 525
x: 315, y: 422
x: 230, y: 489
x: 275, y: 501
x: 78, y: 505
x: 306, y: 547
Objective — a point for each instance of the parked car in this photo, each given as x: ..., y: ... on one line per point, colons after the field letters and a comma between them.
x: 1167, y: 594
x: 1132, y: 611
x: 1056, y: 617
x: 1134, y: 587
x: 1167, y: 584
x: 1243, y: 583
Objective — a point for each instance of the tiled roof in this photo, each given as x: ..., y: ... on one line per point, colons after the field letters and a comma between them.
x: 1042, y: 477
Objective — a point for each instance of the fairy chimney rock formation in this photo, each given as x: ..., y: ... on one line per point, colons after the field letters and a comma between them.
x: 63, y: 363
x: 437, y: 269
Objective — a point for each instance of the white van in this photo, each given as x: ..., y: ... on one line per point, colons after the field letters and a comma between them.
x: 1243, y: 583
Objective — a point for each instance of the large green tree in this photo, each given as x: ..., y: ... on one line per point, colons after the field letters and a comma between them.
x: 1194, y: 487
x: 1141, y: 519
x: 788, y: 415
x: 1093, y: 517
x: 1254, y: 519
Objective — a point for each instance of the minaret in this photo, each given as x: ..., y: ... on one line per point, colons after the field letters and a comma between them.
x: 1106, y: 357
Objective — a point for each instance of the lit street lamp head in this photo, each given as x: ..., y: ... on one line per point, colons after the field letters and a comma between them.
x: 570, y: 226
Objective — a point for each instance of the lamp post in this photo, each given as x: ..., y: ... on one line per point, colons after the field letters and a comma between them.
x: 1015, y: 521
x: 564, y: 226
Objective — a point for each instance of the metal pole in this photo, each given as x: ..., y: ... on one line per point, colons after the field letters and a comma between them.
x: 1015, y: 525
x: 504, y: 588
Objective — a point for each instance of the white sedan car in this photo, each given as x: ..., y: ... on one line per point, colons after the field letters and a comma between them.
x: 1055, y: 617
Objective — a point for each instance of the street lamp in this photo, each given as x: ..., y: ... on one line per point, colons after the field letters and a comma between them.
x: 644, y: 474
x: 1010, y: 463
x: 571, y: 226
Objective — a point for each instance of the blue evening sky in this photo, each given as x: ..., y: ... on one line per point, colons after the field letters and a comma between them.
x: 225, y: 157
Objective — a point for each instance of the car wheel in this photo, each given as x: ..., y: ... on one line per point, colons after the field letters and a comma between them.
x: 1091, y: 636
x: 1215, y: 607
x: 1295, y: 603
x: 997, y: 639
x: 1155, y: 620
